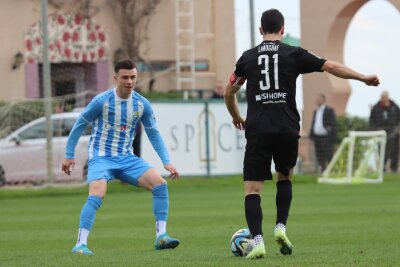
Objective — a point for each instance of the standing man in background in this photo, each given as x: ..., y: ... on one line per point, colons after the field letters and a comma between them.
x: 114, y: 115
x: 272, y: 125
x: 218, y: 92
x: 323, y: 131
x: 385, y: 115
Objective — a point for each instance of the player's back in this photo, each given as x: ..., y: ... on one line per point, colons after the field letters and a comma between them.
x: 271, y: 70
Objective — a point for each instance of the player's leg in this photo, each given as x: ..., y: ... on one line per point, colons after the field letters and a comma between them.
x: 139, y: 173
x: 319, y: 150
x: 283, y: 201
x: 97, y: 191
x: 257, y: 165
x: 285, y: 156
x: 254, y: 216
x: 152, y: 181
x: 99, y: 172
x: 393, y: 151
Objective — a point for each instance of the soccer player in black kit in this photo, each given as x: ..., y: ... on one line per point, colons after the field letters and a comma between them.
x: 272, y: 124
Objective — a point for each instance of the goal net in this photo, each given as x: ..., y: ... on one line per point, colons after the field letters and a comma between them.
x: 359, y: 159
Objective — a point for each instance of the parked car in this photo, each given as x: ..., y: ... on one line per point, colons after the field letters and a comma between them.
x: 23, y: 156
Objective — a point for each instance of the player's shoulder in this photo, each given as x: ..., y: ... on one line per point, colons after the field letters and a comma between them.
x: 137, y: 96
x: 103, y: 95
x: 290, y: 48
x: 250, y: 52
x: 142, y: 101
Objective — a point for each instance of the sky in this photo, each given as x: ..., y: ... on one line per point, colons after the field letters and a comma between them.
x: 371, y: 46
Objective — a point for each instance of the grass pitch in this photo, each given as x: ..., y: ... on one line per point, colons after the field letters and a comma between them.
x: 329, y: 225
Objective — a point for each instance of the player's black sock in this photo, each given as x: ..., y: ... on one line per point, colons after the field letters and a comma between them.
x: 254, y: 214
x: 283, y: 200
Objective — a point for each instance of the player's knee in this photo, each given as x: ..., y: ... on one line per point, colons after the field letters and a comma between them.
x: 99, y: 195
x: 160, y: 190
x: 282, y: 177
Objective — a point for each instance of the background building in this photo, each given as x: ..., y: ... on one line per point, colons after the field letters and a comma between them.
x: 86, y: 37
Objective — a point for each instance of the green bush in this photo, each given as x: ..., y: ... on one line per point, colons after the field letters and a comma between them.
x: 348, y: 123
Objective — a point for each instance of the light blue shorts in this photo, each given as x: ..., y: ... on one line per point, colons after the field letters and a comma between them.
x: 127, y: 168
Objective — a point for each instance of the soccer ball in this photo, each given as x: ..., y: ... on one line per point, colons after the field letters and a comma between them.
x: 242, y: 243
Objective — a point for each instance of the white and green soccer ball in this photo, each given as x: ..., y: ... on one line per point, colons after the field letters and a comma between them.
x: 242, y: 243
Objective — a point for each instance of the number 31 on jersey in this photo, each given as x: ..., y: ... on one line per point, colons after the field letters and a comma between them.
x: 265, y: 84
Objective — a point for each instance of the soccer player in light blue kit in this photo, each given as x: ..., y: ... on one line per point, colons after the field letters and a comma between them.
x: 114, y: 114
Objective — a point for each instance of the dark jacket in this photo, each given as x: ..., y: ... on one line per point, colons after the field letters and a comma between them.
x: 329, y: 122
x: 384, y: 118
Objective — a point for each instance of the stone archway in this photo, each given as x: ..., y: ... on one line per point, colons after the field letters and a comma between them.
x: 323, y: 29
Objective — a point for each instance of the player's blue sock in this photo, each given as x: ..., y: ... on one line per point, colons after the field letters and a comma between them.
x: 88, y: 213
x: 160, y: 202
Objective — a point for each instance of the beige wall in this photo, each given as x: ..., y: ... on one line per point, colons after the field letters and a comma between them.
x: 323, y: 29
x: 215, y: 17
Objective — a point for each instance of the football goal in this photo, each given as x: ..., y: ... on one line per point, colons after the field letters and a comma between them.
x: 360, y: 158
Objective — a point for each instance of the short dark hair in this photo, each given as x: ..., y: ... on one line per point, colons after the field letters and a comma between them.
x: 125, y: 64
x: 272, y: 21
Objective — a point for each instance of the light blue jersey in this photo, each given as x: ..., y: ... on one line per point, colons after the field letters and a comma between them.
x: 114, y: 120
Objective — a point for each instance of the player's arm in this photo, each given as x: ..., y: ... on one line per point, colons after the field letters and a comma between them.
x: 342, y: 71
x: 156, y: 140
x: 88, y: 115
x: 231, y: 102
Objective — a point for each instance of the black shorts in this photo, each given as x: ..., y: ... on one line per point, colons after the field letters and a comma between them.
x: 262, y: 148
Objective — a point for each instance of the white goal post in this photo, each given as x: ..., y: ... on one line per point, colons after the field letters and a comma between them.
x: 360, y: 158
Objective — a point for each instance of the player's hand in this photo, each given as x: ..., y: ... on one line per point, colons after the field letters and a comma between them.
x: 239, y: 123
x: 172, y: 170
x: 371, y: 80
x: 68, y: 165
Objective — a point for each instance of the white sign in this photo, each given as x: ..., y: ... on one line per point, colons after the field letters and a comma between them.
x: 183, y: 128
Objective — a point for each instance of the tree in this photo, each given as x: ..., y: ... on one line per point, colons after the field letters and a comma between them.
x: 84, y: 7
x: 133, y: 17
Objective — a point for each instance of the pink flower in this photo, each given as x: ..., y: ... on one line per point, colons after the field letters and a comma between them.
x: 67, y: 52
x: 38, y: 40
x: 31, y: 60
x: 97, y: 26
x: 65, y: 36
x: 51, y: 46
x: 92, y: 55
x: 29, y: 44
x: 75, y: 36
x: 58, y: 45
x: 101, y: 52
x: 78, y: 19
x: 102, y: 37
x: 60, y: 20
x: 92, y: 36
x: 76, y: 55
x: 84, y: 58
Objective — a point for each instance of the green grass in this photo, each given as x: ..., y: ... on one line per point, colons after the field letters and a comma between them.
x: 329, y: 225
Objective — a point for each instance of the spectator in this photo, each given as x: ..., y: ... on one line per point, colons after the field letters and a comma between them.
x: 385, y: 115
x: 218, y: 90
x: 323, y: 131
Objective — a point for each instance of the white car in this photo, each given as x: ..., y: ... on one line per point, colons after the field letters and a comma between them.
x: 23, y: 156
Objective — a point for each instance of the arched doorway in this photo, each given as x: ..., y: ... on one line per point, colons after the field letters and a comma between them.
x: 77, y: 53
x: 323, y: 30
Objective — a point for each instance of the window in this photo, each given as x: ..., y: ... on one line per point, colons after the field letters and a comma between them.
x: 67, y: 125
x: 34, y: 132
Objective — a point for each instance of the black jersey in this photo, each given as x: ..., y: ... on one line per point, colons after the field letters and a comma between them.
x: 271, y: 70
